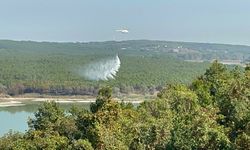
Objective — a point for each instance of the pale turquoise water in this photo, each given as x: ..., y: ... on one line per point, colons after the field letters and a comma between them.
x: 15, y: 118
x: 13, y: 121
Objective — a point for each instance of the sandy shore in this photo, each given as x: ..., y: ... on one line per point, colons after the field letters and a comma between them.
x: 11, y: 103
x: 20, y: 101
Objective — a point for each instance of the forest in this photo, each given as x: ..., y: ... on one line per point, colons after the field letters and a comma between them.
x: 211, y: 112
x: 146, y: 66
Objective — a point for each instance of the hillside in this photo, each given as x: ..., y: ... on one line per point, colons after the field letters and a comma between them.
x: 146, y: 66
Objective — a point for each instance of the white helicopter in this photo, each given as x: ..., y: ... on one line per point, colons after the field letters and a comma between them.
x: 122, y: 30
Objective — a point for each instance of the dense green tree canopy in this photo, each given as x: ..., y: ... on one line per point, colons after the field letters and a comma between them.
x: 53, y: 68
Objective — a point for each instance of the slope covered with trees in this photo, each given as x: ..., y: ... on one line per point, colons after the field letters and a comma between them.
x: 146, y: 66
x: 213, y: 112
x: 53, y: 68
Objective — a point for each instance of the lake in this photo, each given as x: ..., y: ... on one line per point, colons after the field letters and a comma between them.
x: 15, y: 117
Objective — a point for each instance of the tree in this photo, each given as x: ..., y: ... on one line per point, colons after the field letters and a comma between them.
x: 82, y: 145
x: 104, y: 96
x: 194, y: 127
x: 48, y: 117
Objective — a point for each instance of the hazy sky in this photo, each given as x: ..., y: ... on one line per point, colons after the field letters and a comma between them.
x: 219, y: 21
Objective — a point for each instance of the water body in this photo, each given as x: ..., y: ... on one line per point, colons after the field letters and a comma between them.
x: 15, y: 117
x: 13, y: 121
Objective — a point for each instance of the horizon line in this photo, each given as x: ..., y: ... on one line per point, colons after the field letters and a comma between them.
x: 100, y: 41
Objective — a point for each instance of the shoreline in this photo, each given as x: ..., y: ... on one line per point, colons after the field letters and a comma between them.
x: 21, y: 101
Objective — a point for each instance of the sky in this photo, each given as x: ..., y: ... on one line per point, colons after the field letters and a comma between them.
x: 212, y: 21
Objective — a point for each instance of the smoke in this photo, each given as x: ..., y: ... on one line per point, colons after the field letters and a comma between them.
x: 102, y: 70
